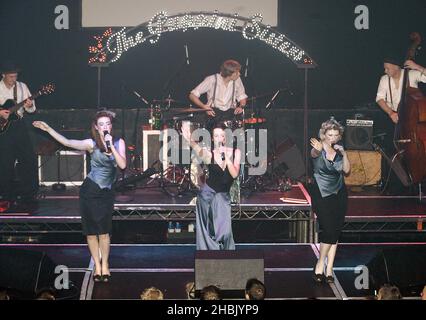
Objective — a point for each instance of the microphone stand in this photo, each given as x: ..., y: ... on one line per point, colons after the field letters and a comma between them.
x: 167, y: 85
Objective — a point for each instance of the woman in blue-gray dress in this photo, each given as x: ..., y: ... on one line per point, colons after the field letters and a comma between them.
x: 213, y: 208
x: 96, y: 194
x: 329, y: 195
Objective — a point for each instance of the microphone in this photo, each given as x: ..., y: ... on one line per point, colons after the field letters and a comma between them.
x: 108, y: 144
x: 186, y: 54
x: 247, y: 64
x: 272, y: 99
x: 140, y: 97
x: 223, y: 154
x: 337, y: 151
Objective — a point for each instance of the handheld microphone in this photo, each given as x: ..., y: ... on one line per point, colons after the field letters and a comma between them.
x: 247, y: 64
x: 223, y: 153
x: 108, y: 144
x: 337, y: 151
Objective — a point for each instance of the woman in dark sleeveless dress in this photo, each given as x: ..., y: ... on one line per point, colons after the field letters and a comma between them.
x: 213, y: 209
x: 96, y: 195
x: 329, y: 196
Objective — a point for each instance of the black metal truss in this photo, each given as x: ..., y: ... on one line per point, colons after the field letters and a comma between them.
x: 382, y: 226
x: 35, y: 227
x: 142, y: 214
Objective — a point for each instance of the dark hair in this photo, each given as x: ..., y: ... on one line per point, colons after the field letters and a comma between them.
x: 210, y: 293
x: 255, y: 289
x: 389, y: 292
x: 219, y: 125
x: 95, y: 133
x: 229, y: 67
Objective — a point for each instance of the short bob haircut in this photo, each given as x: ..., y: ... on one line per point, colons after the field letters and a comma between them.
x: 330, y: 124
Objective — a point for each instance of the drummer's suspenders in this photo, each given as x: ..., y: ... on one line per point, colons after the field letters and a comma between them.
x: 214, y: 93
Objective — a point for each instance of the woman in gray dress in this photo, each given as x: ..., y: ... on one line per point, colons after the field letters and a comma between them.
x: 213, y: 208
x: 329, y: 196
x: 96, y: 195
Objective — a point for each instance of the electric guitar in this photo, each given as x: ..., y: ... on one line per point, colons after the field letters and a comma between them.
x: 13, y: 108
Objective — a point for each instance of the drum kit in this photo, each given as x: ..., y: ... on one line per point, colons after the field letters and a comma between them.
x: 176, y: 180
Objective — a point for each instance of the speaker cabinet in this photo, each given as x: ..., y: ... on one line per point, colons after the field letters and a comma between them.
x: 287, y: 158
x: 358, y: 134
x: 67, y: 167
x: 26, y: 271
x: 366, y: 168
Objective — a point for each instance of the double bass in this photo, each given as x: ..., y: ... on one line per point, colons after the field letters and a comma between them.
x: 410, y: 131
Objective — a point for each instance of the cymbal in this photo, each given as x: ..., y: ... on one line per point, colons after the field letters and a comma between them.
x: 167, y: 101
x: 254, y: 120
x: 191, y: 110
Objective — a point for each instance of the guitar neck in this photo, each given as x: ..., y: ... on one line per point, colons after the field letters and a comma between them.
x: 17, y: 106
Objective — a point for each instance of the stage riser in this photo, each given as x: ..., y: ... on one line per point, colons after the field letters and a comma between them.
x: 137, y: 231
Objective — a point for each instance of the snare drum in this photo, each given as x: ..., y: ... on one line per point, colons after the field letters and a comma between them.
x: 233, y: 124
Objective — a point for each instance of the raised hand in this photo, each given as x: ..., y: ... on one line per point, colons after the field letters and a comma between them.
x: 317, y: 145
x: 41, y: 125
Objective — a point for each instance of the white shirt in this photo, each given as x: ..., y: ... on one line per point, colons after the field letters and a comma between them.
x: 22, y: 93
x: 383, y: 91
x: 223, y: 97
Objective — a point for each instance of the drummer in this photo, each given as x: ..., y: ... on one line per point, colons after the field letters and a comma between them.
x: 224, y: 90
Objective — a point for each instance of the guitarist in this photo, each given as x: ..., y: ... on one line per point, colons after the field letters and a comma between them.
x: 223, y: 90
x: 15, y: 143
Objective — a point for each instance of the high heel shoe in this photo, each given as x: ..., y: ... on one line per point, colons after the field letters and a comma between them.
x: 329, y: 279
x: 97, y: 278
x: 106, y: 277
x: 318, y: 277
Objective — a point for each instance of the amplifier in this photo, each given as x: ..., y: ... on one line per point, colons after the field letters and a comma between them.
x: 366, y: 168
x: 67, y: 167
x: 358, y: 134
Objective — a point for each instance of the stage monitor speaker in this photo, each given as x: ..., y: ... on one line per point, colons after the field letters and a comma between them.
x: 358, y: 134
x: 401, y: 266
x: 72, y: 168
x: 228, y: 270
x: 27, y: 272
x: 366, y: 168
x: 288, y: 159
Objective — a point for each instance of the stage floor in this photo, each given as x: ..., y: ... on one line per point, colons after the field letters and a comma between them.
x: 288, y: 269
